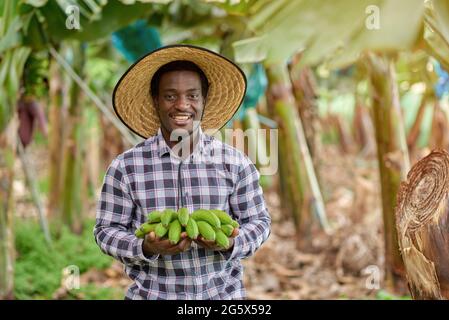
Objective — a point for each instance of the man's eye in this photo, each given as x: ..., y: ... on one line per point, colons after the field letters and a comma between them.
x: 169, y: 97
x: 194, y: 96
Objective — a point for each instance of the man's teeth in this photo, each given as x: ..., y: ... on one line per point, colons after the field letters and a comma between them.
x: 181, y: 117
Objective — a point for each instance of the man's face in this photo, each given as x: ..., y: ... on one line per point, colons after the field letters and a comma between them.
x: 180, y: 101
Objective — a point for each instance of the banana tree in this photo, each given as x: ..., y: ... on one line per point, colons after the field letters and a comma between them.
x: 318, y: 32
x: 70, y: 200
x: 12, y: 60
x: 393, y: 160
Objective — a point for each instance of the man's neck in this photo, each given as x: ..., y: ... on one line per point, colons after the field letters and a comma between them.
x: 180, y: 147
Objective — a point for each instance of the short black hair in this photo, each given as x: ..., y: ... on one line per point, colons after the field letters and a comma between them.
x: 178, y: 65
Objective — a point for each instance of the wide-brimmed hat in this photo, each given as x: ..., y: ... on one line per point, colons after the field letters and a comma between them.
x: 132, y: 99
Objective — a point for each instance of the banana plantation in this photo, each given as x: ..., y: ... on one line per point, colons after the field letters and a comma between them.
x: 345, y: 115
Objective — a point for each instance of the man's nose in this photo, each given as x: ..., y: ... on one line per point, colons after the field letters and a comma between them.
x: 182, y: 103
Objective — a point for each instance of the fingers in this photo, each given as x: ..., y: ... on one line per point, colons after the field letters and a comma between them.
x: 151, y: 237
x: 235, y: 233
x: 205, y: 243
x: 184, y: 244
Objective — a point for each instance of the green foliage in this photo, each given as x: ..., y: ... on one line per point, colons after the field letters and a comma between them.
x: 43, y: 185
x: 39, y: 269
x: 384, y: 295
x: 284, y: 27
x: 102, y: 73
x: 40, y: 139
x: 330, y: 137
x: 94, y: 24
x: 12, y: 60
x: 436, y: 31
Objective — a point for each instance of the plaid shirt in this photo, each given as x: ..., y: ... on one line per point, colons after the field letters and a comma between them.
x: 214, y: 176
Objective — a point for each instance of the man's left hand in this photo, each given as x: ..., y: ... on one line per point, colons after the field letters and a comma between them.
x: 211, y: 245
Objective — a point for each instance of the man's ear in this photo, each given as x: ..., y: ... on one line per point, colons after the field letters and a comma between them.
x: 155, y: 102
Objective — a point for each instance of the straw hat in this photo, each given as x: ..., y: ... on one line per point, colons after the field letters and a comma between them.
x: 132, y: 98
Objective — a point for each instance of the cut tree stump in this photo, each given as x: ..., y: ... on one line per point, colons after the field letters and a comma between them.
x: 423, y: 226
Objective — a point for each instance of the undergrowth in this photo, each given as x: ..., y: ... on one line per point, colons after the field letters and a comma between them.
x: 38, y: 268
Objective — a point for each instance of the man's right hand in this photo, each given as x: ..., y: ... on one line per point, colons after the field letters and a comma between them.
x: 154, y: 245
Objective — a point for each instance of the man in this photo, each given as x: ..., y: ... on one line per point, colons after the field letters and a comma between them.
x: 164, y: 97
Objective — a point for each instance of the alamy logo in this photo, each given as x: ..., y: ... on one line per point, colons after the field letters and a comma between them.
x: 71, y: 277
x: 73, y: 17
x: 256, y: 140
x: 372, y: 282
x: 372, y: 21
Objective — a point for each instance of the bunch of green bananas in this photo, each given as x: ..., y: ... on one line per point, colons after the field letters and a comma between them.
x: 35, y: 74
x: 213, y: 225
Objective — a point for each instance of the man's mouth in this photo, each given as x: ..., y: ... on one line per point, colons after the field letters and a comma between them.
x: 181, y: 118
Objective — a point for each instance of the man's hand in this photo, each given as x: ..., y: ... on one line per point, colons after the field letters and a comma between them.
x: 155, y: 245
x: 211, y: 245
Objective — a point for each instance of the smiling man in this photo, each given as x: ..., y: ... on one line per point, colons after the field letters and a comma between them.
x: 179, y: 91
x: 169, y: 97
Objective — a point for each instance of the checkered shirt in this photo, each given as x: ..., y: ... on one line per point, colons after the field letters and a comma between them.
x: 214, y: 176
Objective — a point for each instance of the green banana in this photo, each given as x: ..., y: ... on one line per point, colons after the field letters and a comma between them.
x: 144, y: 229
x: 223, y: 216
x: 235, y: 224
x: 207, y: 216
x: 206, y: 231
x: 139, y: 234
x: 160, y: 230
x: 167, y: 216
x: 192, y: 229
x: 148, y: 227
x: 154, y: 216
x: 221, y: 239
x: 183, y: 216
x: 174, y: 231
x: 227, y: 229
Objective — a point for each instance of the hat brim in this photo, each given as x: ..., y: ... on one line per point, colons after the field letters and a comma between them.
x: 132, y: 99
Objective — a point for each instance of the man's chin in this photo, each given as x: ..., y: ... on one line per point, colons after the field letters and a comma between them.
x: 181, y: 132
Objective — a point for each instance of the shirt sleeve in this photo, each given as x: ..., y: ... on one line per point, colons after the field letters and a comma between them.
x: 248, y: 207
x: 114, y: 218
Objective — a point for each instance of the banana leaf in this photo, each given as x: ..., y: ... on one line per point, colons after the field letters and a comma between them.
x: 322, y: 30
x: 112, y: 17
x: 436, y: 32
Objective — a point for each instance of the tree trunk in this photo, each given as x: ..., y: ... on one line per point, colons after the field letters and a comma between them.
x: 390, y: 160
x: 423, y: 222
x: 72, y: 185
x: 55, y: 141
x: 112, y: 142
x: 364, y: 131
x: 295, y: 150
x: 256, y: 146
x: 287, y: 201
x: 282, y: 107
x: 345, y: 140
x: 440, y: 128
x: 94, y: 146
x: 304, y: 91
x: 415, y: 130
x: 8, y: 142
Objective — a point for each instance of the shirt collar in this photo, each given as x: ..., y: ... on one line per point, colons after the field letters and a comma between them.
x: 163, y: 148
